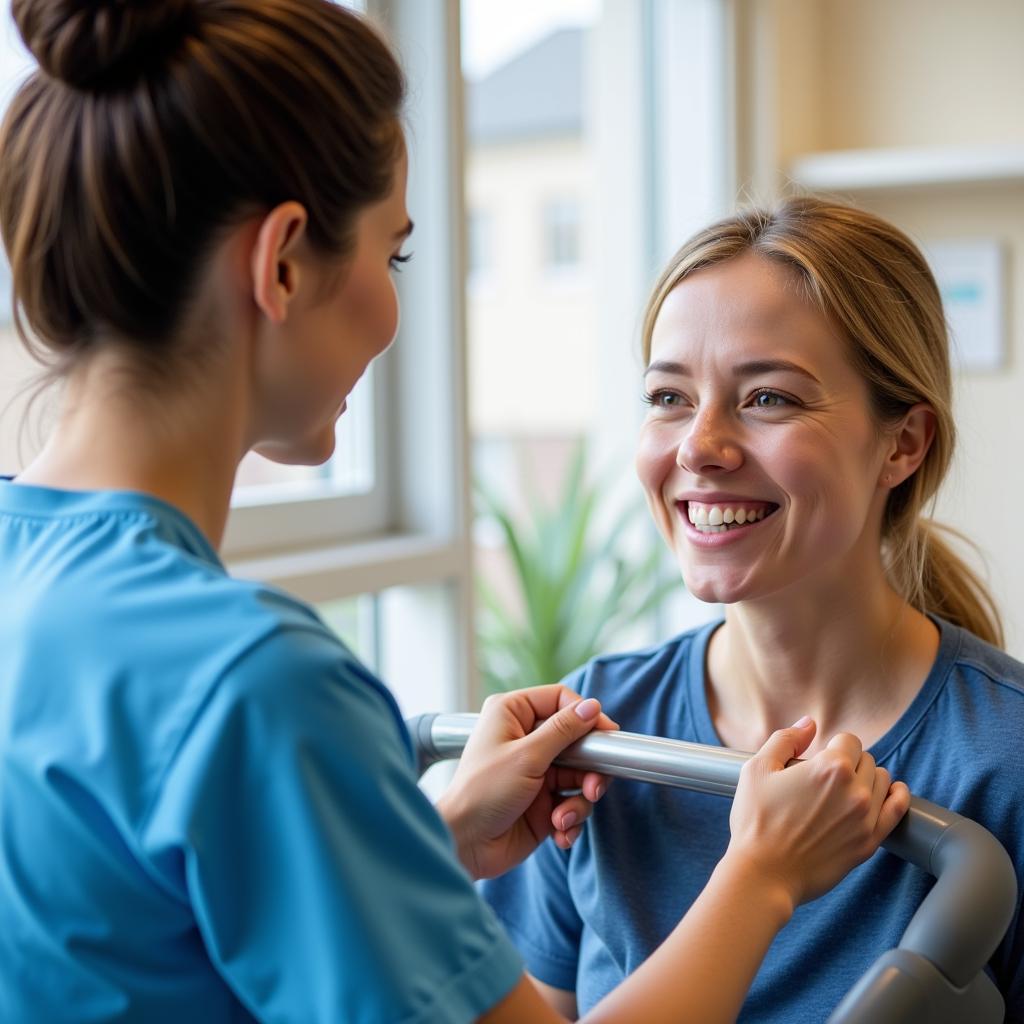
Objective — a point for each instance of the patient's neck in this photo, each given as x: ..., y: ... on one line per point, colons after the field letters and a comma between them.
x: 851, y: 657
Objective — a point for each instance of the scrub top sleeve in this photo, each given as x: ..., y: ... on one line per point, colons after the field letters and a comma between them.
x: 323, y: 882
x: 534, y: 901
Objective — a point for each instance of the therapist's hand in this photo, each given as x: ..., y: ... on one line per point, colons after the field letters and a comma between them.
x: 504, y: 798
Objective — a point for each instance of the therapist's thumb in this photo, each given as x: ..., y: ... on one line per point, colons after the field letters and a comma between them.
x: 563, y: 728
x: 786, y: 744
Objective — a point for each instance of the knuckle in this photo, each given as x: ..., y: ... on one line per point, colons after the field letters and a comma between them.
x: 563, y: 725
x: 860, y: 801
x: 833, y: 767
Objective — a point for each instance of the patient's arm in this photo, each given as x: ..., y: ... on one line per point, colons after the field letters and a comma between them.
x: 564, y: 1002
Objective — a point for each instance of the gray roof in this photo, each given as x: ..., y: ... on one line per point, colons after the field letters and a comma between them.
x: 537, y: 94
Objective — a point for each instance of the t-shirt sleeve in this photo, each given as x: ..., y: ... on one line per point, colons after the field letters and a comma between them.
x: 534, y: 904
x: 323, y: 882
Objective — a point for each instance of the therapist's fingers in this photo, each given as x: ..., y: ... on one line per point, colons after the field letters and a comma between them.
x: 866, y: 773
x: 847, y: 747
x: 594, y: 785
x: 880, y: 783
x: 567, y: 820
x: 537, y: 703
x: 895, y: 805
x: 567, y: 725
x: 783, y: 746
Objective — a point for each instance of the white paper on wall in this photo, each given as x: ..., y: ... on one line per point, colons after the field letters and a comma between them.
x: 970, y: 275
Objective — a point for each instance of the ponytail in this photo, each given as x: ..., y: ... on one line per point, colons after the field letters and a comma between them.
x: 927, y: 571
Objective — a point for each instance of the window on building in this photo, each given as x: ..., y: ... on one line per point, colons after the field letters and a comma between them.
x: 561, y: 226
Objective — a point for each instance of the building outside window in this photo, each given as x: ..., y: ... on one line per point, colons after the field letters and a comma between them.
x: 562, y: 225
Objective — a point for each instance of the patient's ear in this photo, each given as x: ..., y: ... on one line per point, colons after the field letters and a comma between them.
x: 273, y: 263
x: 911, y: 441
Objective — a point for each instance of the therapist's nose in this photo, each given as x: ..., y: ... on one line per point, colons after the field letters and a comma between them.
x: 709, y: 445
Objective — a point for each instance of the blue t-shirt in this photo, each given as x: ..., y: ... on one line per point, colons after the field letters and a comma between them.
x: 585, y: 919
x: 208, y: 808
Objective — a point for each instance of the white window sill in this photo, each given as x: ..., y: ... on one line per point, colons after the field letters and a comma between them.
x: 368, y: 566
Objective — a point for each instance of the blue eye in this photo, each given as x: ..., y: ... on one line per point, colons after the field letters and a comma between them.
x: 765, y: 398
x: 662, y: 399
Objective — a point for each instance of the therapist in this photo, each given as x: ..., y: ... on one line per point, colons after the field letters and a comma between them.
x: 208, y: 810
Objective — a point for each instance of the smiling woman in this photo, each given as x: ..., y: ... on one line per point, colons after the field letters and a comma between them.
x: 799, y: 420
x: 765, y: 407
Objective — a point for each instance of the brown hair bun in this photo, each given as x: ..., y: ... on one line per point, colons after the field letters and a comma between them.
x: 95, y: 45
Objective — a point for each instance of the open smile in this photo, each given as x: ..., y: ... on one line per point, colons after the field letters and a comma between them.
x: 726, y: 517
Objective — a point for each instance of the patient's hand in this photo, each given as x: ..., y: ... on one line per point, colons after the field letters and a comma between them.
x: 803, y: 828
x: 504, y: 799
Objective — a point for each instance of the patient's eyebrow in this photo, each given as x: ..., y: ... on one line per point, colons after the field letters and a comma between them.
x: 405, y: 232
x: 665, y: 366
x: 754, y: 368
x: 761, y: 366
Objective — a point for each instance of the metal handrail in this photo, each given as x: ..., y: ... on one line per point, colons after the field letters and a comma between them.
x: 935, y: 975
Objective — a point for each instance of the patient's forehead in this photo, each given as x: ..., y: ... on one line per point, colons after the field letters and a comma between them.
x: 745, y: 307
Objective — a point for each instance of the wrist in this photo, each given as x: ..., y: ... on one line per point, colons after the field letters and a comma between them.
x: 454, y: 815
x: 763, y: 890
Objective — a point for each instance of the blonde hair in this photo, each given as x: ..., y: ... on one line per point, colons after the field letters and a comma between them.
x: 870, y: 280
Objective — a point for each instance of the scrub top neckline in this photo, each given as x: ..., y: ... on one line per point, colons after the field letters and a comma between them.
x: 56, y: 503
x: 945, y: 658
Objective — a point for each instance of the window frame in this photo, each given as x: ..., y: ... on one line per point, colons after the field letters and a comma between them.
x: 421, y: 533
x: 413, y: 529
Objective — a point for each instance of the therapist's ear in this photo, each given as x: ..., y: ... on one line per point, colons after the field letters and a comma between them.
x: 910, y: 443
x: 273, y: 263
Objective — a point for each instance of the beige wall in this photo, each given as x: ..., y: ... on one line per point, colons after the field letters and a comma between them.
x: 922, y: 72
x: 826, y: 75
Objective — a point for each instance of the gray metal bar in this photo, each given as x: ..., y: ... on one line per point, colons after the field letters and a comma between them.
x: 949, y: 939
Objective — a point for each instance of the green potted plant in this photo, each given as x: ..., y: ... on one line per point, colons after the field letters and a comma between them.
x: 576, y: 587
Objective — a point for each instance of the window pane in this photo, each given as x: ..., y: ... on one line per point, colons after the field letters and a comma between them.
x: 354, y: 619
x: 549, y: 88
x: 562, y: 234
x: 403, y: 635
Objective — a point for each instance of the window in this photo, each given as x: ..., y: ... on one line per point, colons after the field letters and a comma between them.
x: 561, y: 227
x: 574, y: 109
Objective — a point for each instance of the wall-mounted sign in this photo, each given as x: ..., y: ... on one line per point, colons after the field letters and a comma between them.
x: 971, y: 276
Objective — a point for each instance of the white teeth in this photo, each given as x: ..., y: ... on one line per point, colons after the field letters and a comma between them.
x: 718, y: 518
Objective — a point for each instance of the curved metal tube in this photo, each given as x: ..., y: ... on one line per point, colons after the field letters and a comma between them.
x: 937, y: 968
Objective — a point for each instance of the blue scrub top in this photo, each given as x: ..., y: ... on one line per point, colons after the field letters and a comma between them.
x: 208, y: 809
